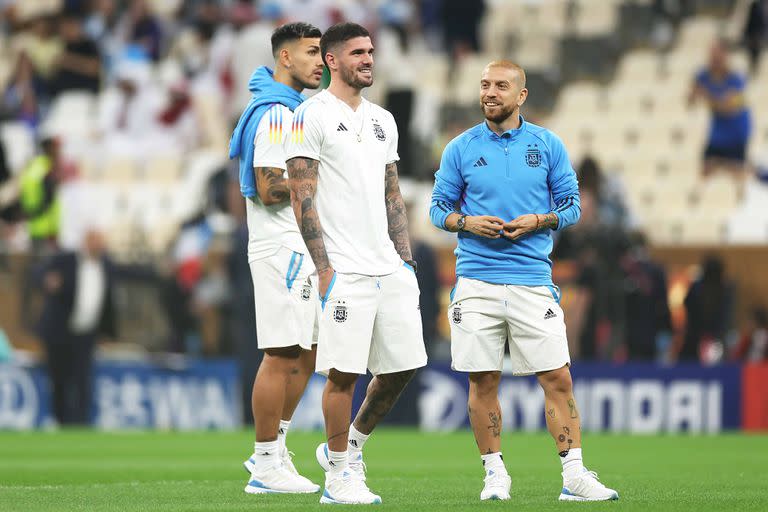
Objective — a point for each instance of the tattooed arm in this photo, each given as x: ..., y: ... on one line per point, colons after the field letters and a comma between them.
x: 271, y: 185
x: 396, y: 216
x: 303, y: 184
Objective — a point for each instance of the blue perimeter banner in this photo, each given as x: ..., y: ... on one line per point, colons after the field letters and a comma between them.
x: 641, y: 398
x: 634, y: 397
x: 188, y: 396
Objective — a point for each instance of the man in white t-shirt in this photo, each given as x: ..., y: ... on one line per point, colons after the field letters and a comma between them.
x: 280, y: 267
x: 342, y: 157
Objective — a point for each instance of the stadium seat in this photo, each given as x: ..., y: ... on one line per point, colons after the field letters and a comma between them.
x: 163, y: 169
x: 120, y: 170
x: 639, y: 65
x: 466, y: 83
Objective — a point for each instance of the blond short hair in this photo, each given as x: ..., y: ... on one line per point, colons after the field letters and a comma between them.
x: 507, y: 64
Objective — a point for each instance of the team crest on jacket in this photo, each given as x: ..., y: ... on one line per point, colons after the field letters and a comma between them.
x: 456, y: 315
x: 340, y: 313
x: 378, y: 131
x: 306, y: 291
x: 533, y: 155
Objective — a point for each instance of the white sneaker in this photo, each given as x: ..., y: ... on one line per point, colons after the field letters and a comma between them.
x: 279, y: 479
x: 347, y: 488
x: 586, y: 487
x: 285, y: 456
x: 354, y: 460
x: 497, y: 485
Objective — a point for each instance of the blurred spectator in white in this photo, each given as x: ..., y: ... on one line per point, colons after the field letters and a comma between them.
x: 78, y: 67
x: 177, y: 121
x: 78, y: 288
x: 709, y: 313
x: 723, y: 91
x: 128, y: 113
x: 140, y: 31
x: 756, y: 31
x: 100, y: 24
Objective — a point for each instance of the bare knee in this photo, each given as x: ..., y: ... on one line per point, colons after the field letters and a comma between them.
x: 556, y: 381
x: 395, y: 382
x: 340, y: 382
x: 482, y: 384
x: 291, y: 353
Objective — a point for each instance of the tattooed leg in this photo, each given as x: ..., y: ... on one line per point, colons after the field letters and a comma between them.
x: 485, y: 411
x: 562, y: 417
x: 383, y: 391
x: 337, y: 408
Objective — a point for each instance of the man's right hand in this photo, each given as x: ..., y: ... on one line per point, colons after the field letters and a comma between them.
x: 484, y: 225
x: 324, y: 280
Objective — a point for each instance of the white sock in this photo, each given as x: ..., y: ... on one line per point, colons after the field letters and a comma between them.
x: 337, y: 461
x: 493, y: 462
x: 356, y: 439
x: 572, y: 463
x: 266, y: 455
x: 282, y: 434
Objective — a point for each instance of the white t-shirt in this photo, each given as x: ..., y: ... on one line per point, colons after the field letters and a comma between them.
x: 353, y: 148
x: 89, y: 295
x: 270, y: 227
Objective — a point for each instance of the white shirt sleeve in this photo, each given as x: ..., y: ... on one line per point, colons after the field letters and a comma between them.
x: 273, y: 130
x: 392, y: 137
x: 306, y: 138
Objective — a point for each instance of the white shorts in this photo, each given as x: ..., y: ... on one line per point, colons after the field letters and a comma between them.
x: 485, y: 316
x: 371, y: 322
x: 286, y: 300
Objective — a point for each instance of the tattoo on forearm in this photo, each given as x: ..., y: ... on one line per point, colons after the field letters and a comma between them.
x: 383, y: 392
x: 548, y: 221
x: 271, y: 181
x: 495, y: 426
x: 572, y: 408
x: 303, y: 184
x: 396, y: 214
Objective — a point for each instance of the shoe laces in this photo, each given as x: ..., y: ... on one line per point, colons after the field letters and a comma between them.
x: 496, y: 478
x: 358, y: 467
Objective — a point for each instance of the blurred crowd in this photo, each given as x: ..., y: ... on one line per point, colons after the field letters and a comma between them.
x: 150, y: 65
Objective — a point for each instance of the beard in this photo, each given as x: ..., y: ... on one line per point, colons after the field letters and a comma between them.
x: 349, y: 76
x: 500, y: 114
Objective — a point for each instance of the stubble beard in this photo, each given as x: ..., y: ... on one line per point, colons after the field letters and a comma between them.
x: 349, y: 76
x: 504, y: 114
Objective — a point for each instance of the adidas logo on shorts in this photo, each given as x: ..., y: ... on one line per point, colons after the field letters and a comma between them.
x: 549, y: 314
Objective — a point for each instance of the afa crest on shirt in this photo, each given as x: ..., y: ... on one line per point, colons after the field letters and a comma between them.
x: 306, y: 291
x: 378, y: 131
x: 340, y: 313
x: 533, y: 155
x: 456, y: 315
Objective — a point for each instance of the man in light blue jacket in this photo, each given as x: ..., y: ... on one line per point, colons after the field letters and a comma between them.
x: 503, y: 186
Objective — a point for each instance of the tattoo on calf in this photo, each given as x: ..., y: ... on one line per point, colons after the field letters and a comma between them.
x: 334, y: 436
x: 495, y: 426
x: 381, y: 396
x: 572, y: 408
x: 551, y: 413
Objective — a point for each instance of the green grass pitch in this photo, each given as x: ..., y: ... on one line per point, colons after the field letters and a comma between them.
x: 94, y: 471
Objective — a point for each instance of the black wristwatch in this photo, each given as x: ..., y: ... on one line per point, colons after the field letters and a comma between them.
x: 414, y: 265
x: 461, y: 222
